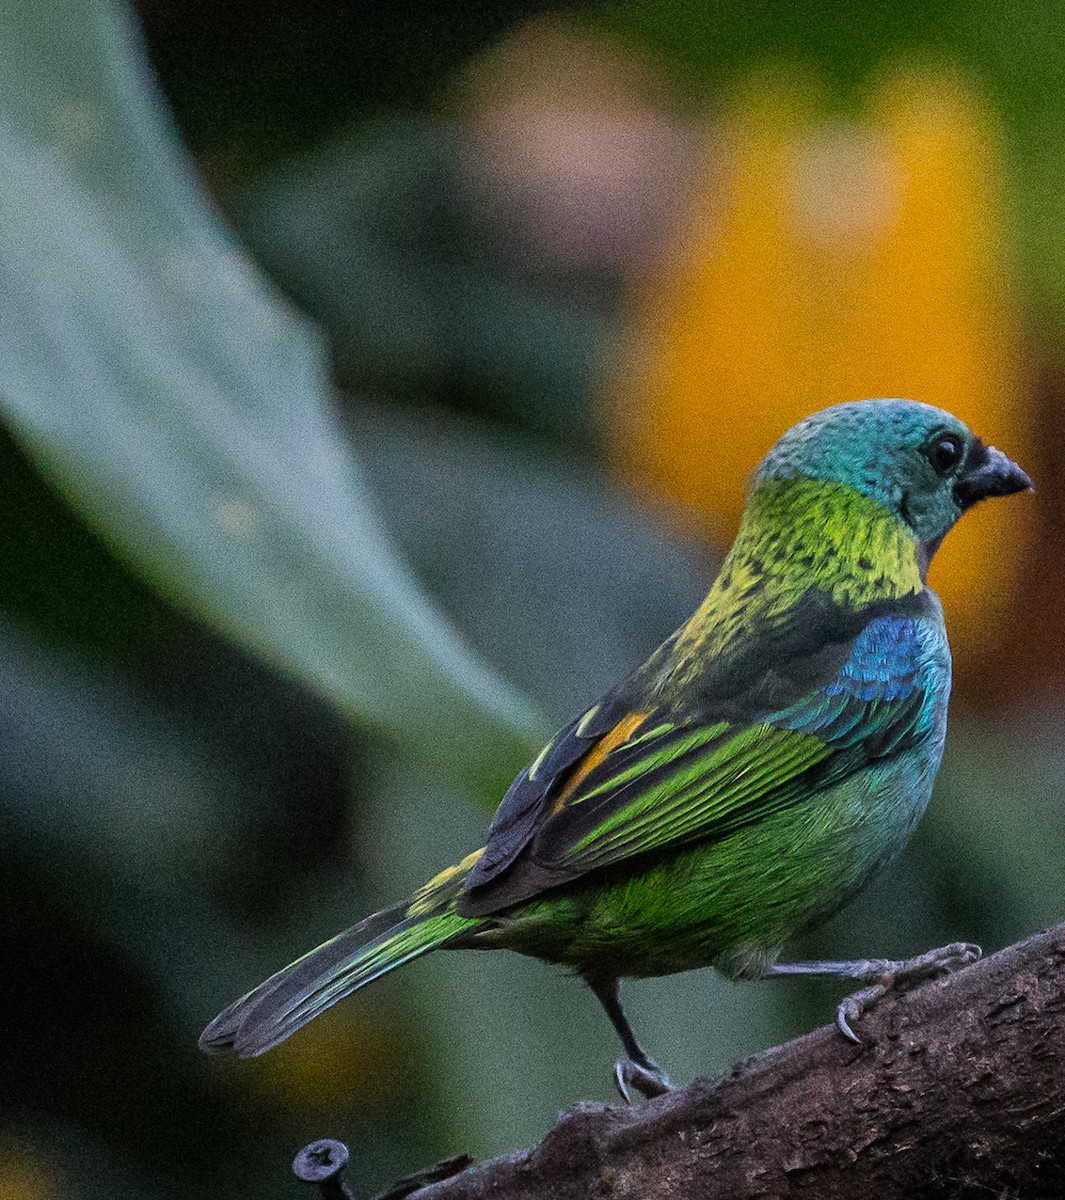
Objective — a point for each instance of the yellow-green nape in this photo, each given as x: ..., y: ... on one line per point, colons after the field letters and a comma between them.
x: 800, y: 535
x: 813, y: 533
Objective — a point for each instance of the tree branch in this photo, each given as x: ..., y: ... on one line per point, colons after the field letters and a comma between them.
x: 959, y: 1092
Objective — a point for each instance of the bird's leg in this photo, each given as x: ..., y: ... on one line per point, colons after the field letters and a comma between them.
x: 882, y: 975
x: 639, y: 1070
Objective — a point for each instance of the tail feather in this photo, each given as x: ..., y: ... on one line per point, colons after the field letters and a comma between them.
x: 285, y: 1002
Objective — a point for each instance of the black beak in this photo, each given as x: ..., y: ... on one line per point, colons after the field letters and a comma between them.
x: 988, y: 472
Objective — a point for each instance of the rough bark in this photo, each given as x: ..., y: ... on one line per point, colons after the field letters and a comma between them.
x: 959, y: 1091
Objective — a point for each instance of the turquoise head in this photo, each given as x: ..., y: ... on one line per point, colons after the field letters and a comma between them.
x: 920, y: 463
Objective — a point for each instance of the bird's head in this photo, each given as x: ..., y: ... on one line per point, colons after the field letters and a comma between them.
x: 918, y: 462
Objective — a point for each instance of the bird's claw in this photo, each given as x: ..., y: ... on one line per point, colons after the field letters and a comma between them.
x: 851, y: 1008
x: 646, y: 1078
x: 896, y: 976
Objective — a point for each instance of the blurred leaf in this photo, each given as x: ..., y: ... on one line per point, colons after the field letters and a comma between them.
x: 179, y: 404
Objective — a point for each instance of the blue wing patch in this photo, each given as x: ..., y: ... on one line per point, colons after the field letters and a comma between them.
x: 883, y: 664
x: 876, y: 699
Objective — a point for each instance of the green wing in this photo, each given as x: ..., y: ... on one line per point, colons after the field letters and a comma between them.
x: 703, y: 792
x: 667, y: 783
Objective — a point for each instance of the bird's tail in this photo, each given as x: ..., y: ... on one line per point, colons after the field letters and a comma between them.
x: 306, y: 988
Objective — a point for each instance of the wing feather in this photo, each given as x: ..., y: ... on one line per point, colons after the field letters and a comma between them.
x: 647, y: 785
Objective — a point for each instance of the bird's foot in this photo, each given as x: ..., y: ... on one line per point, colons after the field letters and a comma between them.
x: 645, y: 1077
x: 885, y: 975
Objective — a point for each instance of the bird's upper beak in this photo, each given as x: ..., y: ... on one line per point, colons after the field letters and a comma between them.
x: 989, y: 472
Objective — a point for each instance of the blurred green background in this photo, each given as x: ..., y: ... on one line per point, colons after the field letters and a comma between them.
x: 377, y: 384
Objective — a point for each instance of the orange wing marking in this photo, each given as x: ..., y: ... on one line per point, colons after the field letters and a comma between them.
x: 621, y: 732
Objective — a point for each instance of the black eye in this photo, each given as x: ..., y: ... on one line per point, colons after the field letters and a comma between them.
x: 945, y: 453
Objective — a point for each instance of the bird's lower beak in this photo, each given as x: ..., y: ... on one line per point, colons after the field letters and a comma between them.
x: 989, y: 473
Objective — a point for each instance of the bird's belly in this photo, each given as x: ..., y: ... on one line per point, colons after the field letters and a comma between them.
x: 738, y: 900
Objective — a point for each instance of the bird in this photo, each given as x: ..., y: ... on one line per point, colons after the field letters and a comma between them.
x: 742, y: 784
